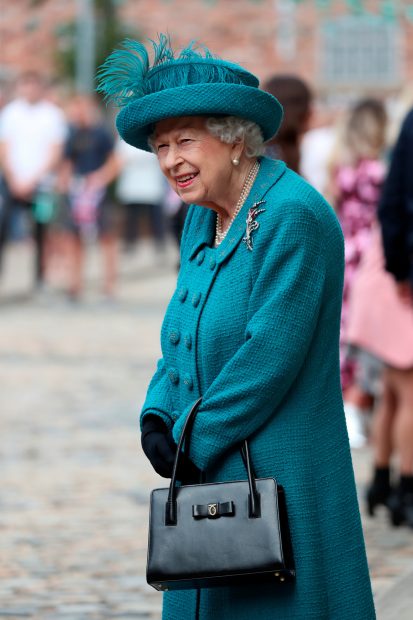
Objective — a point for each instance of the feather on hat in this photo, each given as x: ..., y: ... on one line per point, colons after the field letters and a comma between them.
x: 192, y: 83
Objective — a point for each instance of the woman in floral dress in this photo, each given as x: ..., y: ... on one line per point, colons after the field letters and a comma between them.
x: 357, y: 174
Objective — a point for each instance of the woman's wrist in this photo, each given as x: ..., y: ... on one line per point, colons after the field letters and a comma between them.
x: 153, y: 424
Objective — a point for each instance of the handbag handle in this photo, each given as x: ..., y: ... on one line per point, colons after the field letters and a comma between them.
x: 171, y: 505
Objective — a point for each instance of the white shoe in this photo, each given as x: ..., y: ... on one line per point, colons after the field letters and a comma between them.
x: 354, y: 421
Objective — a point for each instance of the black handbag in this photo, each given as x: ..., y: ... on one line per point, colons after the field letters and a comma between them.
x: 218, y: 534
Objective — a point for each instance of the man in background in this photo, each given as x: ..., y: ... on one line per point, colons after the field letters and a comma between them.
x: 32, y: 134
x: 90, y: 165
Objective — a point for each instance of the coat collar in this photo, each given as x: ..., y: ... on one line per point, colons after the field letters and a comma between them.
x: 204, y: 231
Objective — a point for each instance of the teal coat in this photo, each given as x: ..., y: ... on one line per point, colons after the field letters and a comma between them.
x: 256, y: 333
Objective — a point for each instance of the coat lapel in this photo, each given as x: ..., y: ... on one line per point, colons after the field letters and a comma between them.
x: 204, y: 230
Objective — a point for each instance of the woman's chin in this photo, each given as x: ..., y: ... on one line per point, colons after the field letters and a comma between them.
x: 191, y: 196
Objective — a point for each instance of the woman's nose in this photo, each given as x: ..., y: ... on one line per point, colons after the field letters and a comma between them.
x: 173, y: 158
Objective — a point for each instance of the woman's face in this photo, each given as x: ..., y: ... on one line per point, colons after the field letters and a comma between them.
x: 196, y: 164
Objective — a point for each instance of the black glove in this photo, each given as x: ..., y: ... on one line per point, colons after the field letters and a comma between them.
x: 160, y: 448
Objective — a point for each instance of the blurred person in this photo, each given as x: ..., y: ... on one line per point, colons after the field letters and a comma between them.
x: 396, y: 220
x: 315, y: 154
x: 90, y: 165
x: 380, y: 323
x: 357, y: 172
x: 140, y: 189
x: 395, y: 212
x: 296, y: 98
x: 398, y: 108
x: 252, y: 327
x: 176, y: 210
x: 32, y: 134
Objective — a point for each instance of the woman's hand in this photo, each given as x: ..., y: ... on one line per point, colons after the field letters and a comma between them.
x: 160, y: 448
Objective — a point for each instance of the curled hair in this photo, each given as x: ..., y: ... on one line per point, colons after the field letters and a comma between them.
x: 231, y: 129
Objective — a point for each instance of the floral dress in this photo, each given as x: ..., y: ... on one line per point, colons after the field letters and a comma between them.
x: 358, y: 189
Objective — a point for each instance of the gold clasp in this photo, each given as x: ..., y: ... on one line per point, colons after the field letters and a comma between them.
x: 212, y: 509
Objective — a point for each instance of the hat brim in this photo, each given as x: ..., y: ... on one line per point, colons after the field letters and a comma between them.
x: 135, y: 121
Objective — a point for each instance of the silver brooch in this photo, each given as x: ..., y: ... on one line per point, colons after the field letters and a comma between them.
x: 252, y: 223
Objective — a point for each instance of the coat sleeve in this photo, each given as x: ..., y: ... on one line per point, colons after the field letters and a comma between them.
x: 392, y: 209
x: 285, y: 304
x: 158, y: 397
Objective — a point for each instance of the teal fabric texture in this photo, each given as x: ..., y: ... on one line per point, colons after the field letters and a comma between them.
x: 255, y: 332
x: 193, y: 82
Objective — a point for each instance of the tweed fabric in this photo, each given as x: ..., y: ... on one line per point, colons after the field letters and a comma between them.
x: 258, y: 339
x: 191, y: 83
x: 135, y: 122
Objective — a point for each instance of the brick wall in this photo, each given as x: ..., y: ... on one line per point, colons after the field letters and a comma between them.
x: 255, y: 34
x: 28, y: 35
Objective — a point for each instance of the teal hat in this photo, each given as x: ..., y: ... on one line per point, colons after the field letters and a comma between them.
x: 195, y: 83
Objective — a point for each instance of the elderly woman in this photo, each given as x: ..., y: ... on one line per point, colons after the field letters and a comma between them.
x: 252, y: 327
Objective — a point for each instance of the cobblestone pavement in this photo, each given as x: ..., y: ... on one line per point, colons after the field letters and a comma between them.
x: 73, y: 483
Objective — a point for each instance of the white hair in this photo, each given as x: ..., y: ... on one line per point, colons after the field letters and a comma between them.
x: 232, y: 129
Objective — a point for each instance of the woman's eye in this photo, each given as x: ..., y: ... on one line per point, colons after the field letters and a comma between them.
x: 160, y: 147
x: 185, y: 140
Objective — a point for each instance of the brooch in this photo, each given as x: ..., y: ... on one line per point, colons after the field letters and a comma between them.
x: 252, y: 223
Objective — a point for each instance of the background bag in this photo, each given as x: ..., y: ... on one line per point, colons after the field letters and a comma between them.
x: 218, y: 534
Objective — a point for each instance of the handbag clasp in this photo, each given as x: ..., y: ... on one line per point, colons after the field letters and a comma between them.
x: 213, y: 511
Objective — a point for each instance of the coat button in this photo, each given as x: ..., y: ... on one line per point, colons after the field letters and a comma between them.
x: 174, y: 336
x: 173, y: 375
x: 182, y: 294
x: 175, y: 414
x: 188, y: 381
x: 188, y: 341
x: 196, y: 298
x: 212, y: 264
x: 200, y: 257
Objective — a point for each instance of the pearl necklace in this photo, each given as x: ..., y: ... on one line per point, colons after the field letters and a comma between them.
x: 246, y: 188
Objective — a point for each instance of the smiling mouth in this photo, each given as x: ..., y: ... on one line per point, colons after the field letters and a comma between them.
x: 185, y: 180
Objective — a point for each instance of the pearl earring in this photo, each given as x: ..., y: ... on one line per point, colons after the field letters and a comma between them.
x: 235, y: 162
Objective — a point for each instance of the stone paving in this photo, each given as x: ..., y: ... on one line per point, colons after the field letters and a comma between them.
x: 73, y: 482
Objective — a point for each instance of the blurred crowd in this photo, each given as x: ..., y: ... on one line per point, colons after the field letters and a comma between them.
x: 66, y: 181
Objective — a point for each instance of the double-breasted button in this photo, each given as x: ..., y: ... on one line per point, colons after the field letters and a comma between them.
x: 196, y: 298
x: 188, y: 381
x: 174, y: 336
x: 182, y: 294
x: 188, y: 341
x: 200, y: 257
x: 173, y: 375
x: 212, y: 264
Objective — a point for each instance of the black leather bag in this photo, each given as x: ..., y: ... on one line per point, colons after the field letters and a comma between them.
x: 219, y: 534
